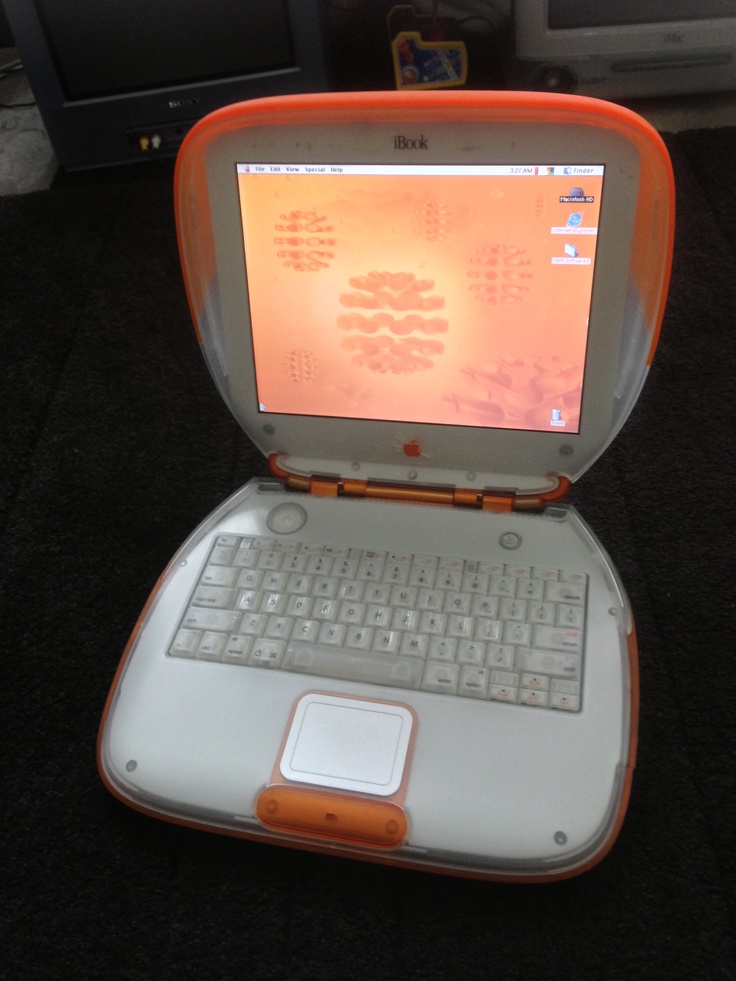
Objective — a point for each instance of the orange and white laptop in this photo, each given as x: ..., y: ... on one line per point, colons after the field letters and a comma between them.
x: 432, y: 312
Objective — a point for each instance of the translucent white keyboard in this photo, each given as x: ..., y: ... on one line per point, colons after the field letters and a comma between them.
x: 478, y: 629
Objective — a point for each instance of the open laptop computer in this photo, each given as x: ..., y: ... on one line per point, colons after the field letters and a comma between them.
x: 432, y: 312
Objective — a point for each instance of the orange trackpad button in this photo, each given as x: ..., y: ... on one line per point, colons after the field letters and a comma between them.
x: 299, y: 810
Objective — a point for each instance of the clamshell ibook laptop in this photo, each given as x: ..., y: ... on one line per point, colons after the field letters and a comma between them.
x: 431, y: 312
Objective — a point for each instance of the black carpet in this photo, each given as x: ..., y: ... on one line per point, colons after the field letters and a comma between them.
x: 114, y: 444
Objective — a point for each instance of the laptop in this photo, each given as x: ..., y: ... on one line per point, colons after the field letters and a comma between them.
x: 431, y: 312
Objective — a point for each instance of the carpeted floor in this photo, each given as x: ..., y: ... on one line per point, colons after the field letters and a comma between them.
x: 114, y: 444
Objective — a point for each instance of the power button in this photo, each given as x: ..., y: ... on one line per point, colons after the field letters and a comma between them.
x: 510, y: 540
x: 286, y: 518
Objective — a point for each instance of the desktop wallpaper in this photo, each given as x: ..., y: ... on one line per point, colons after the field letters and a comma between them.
x: 457, y: 298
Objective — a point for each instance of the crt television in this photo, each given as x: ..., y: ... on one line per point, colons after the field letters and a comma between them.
x: 626, y: 49
x: 120, y: 82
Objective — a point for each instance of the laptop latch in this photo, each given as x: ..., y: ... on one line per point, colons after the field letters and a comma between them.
x: 463, y: 497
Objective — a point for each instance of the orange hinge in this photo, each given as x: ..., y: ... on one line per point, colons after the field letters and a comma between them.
x: 325, y: 486
x: 498, y: 502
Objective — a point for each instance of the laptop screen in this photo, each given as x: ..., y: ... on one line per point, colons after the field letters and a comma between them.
x: 450, y: 295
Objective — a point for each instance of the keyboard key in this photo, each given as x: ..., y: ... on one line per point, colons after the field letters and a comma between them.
x: 396, y: 570
x: 250, y: 579
x: 517, y: 633
x: 430, y: 599
x: 332, y: 634
x: 359, y: 638
x: 449, y: 579
x: 502, y: 586
x: 541, y: 613
x: 224, y: 550
x: 565, y: 592
x: 237, y: 649
x: 500, y: 656
x: 474, y: 682
x: 379, y: 595
x: 370, y: 569
x: 439, y: 676
x: 564, y: 685
x: 509, y: 679
x: 442, y: 649
x: 422, y: 575
x: 299, y: 606
x: 414, y: 645
x: 324, y: 586
x: 186, y: 643
x: 275, y: 582
x: 532, y: 696
x: 558, y: 638
x: 549, y: 662
x: 253, y: 624
x: 461, y: 627
x: 219, y: 575
x: 306, y: 630
x: 279, y: 628
x: 216, y: 597
x: 248, y: 599
x: 386, y: 641
x: 433, y: 624
x: 569, y: 616
x: 476, y: 583
x: 273, y: 604
x: 404, y: 596
x: 484, y: 606
x: 404, y: 672
x: 266, y: 653
x: 539, y: 682
x: 325, y: 609
x: 201, y: 619
x: 530, y: 589
x: 503, y: 693
x: 569, y: 702
x: 458, y: 603
x: 351, y: 590
x: 405, y: 619
x: 351, y: 613
x: 471, y: 652
x: 345, y: 568
x: 490, y: 631
x: 211, y: 645
x: 295, y: 562
x: 245, y: 557
x: 269, y: 560
x: 319, y: 565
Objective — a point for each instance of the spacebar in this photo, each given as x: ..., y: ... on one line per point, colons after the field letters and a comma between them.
x: 347, y: 665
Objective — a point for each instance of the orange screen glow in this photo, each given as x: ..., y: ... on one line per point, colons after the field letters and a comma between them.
x: 455, y: 299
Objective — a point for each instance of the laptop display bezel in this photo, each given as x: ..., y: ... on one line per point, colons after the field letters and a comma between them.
x: 370, y: 449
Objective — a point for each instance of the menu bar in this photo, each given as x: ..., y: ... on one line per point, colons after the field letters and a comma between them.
x: 572, y: 171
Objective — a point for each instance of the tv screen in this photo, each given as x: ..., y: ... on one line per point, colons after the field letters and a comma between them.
x: 127, y: 81
x: 141, y: 44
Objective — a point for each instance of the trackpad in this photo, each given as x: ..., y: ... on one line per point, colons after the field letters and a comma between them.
x: 348, y: 744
